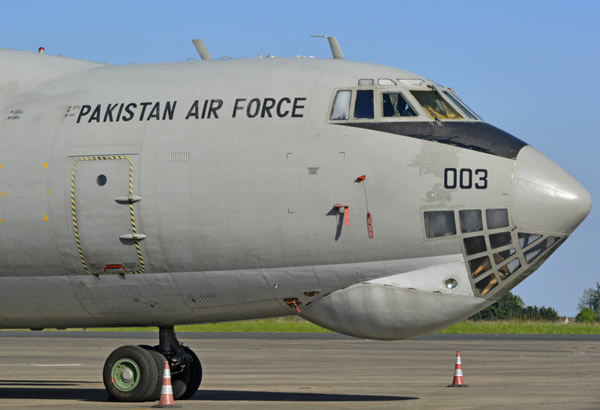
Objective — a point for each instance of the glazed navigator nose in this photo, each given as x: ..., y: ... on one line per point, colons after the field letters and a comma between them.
x: 545, y: 198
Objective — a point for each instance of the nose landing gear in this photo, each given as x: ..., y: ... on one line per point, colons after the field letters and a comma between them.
x: 134, y: 373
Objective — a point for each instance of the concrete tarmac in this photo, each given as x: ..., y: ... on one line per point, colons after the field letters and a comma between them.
x: 298, y: 371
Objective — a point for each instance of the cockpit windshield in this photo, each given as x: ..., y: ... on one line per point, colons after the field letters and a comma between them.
x: 394, y: 105
x: 435, y: 106
x: 458, y: 102
x: 410, y: 100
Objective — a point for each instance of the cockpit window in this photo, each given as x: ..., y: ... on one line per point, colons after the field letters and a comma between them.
x: 363, y: 107
x: 385, y: 81
x: 394, y: 105
x: 341, y: 105
x: 435, y: 106
x: 366, y: 81
x: 461, y: 105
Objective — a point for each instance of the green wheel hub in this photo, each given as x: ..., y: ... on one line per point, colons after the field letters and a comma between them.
x: 125, y: 375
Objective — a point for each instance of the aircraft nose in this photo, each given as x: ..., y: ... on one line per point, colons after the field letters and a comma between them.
x: 545, y: 197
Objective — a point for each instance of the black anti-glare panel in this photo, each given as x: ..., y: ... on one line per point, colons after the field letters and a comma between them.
x: 476, y: 136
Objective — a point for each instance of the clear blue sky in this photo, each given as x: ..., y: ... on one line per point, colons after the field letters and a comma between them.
x: 528, y: 67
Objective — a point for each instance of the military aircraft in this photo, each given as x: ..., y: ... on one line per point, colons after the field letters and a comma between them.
x: 367, y: 199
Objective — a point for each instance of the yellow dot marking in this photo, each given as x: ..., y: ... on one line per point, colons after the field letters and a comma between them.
x: 45, y: 218
x: 3, y: 194
x: 45, y: 164
x: 48, y: 192
x: 1, y: 220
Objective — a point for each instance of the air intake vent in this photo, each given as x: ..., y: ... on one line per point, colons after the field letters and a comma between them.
x: 179, y: 156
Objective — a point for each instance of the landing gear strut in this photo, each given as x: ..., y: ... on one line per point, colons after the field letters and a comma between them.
x: 134, y: 373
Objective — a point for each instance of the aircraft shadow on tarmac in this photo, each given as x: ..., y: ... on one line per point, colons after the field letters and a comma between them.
x: 243, y: 395
x: 50, y: 390
x: 66, y: 390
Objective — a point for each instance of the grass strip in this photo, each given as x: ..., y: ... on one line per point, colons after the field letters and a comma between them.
x: 298, y: 325
x: 517, y: 327
x: 294, y: 324
x: 290, y: 324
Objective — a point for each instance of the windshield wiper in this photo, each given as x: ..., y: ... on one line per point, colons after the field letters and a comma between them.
x: 432, y: 113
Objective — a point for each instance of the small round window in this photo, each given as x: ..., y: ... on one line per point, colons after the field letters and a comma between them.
x: 101, y: 180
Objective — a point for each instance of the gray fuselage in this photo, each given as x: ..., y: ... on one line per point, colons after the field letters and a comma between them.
x: 222, y: 190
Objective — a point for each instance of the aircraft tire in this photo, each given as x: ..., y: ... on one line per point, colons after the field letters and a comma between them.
x: 130, y: 374
x: 160, y: 365
x: 180, y: 382
x: 195, y: 371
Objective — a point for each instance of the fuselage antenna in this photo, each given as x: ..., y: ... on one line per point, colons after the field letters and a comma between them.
x: 336, y: 51
x: 201, y: 49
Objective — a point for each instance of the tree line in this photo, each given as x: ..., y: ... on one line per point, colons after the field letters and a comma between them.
x: 512, y: 307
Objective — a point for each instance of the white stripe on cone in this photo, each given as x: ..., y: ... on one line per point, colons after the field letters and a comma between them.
x: 166, y: 391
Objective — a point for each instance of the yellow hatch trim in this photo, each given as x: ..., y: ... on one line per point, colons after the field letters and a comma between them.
x: 131, y: 211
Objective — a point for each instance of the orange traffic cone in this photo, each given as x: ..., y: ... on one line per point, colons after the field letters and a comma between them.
x: 166, y: 392
x: 458, y: 380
